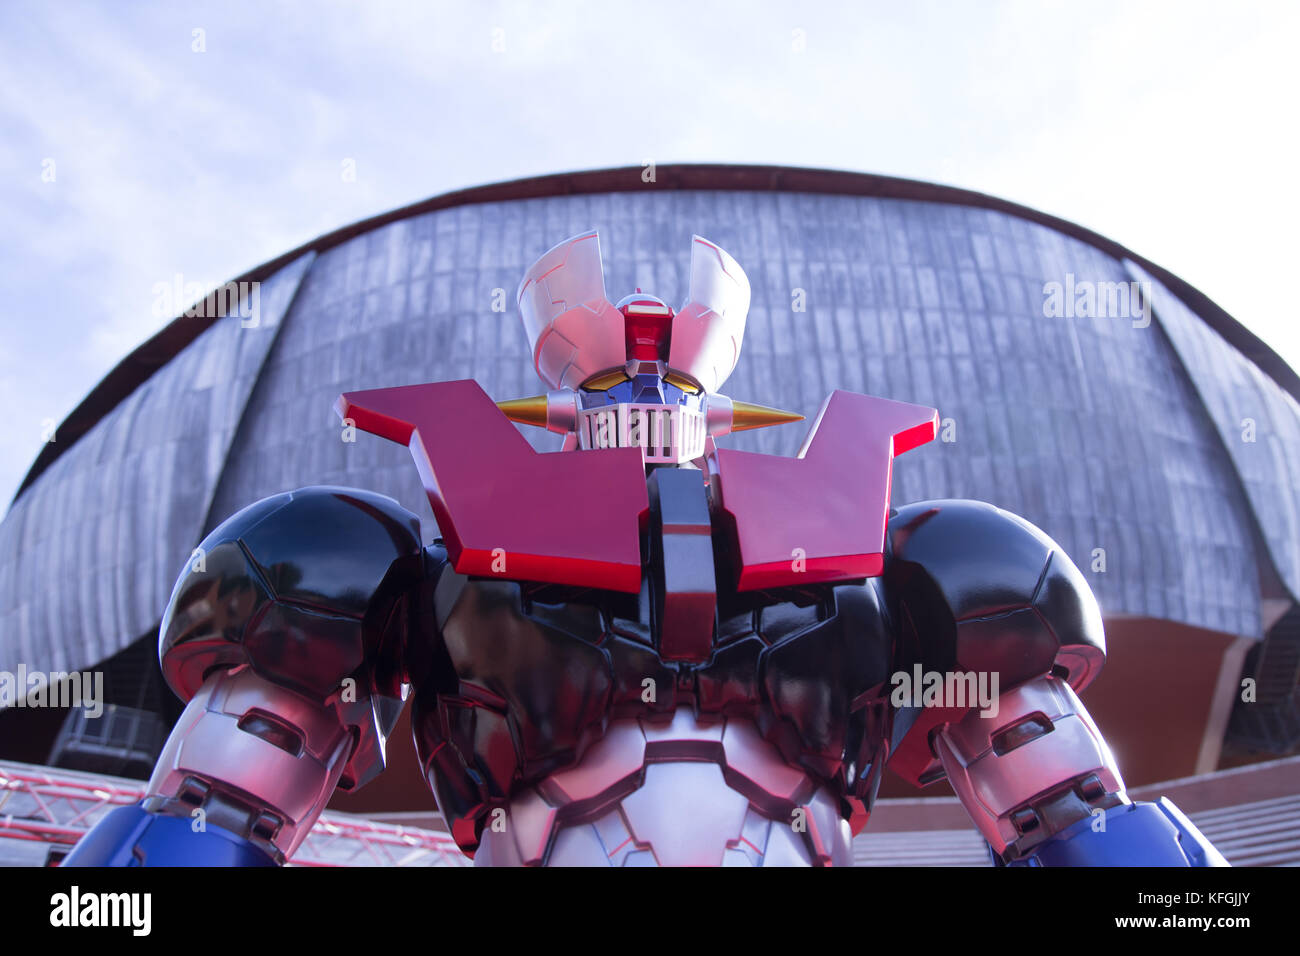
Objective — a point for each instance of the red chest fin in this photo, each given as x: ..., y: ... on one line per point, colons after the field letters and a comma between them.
x: 505, y: 510
x: 821, y: 516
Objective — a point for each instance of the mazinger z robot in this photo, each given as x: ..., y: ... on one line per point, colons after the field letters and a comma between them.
x: 642, y: 649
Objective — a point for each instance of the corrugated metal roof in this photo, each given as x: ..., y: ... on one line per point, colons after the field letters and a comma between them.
x: 1258, y: 423
x: 89, y: 555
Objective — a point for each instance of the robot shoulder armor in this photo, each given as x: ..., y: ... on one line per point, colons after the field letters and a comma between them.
x: 986, y: 590
x: 301, y: 586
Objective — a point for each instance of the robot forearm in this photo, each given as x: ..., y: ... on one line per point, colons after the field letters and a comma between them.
x: 242, y: 779
x: 1042, y: 787
x: 1036, y: 767
x: 253, y: 758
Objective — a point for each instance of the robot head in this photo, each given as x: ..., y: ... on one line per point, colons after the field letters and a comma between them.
x: 644, y: 404
x: 636, y: 374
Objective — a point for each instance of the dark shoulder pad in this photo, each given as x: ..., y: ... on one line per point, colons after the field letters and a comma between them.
x: 308, y: 588
x: 976, y: 588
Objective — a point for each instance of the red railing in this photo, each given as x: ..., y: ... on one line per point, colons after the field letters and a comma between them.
x: 49, y: 805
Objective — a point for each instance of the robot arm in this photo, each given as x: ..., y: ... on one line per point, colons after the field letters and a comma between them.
x: 979, y: 591
x: 284, y: 634
x: 242, y: 779
x: 1041, y: 786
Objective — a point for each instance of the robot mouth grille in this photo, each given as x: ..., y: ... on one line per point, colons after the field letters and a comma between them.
x: 666, y: 434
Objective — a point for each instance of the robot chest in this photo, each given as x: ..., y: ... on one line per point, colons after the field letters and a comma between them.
x: 555, y: 669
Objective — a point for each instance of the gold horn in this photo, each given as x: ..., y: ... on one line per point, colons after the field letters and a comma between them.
x: 745, y: 416
x: 526, y: 411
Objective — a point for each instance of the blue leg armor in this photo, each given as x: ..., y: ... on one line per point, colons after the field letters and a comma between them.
x: 1136, y: 834
x: 132, y: 836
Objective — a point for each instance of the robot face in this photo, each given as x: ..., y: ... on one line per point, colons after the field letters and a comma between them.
x: 646, y: 406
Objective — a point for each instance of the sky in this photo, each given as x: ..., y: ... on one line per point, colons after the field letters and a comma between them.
x: 139, y: 141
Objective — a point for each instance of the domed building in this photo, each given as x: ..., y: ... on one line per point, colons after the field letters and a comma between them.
x: 1078, y: 384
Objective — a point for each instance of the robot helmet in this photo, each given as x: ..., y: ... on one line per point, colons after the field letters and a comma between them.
x: 636, y: 374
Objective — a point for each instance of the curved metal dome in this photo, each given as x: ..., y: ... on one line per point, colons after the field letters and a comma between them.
x: 1107, y: 434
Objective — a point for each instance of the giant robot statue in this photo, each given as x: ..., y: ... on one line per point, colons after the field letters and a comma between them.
x: 642, y: 649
